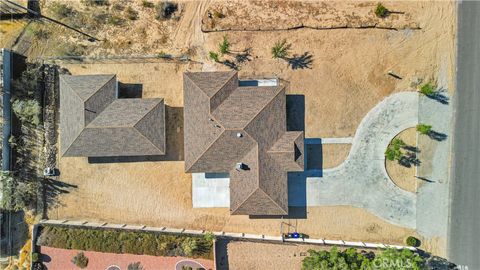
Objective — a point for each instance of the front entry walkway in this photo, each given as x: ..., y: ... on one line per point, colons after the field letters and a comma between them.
x: 361, y: 180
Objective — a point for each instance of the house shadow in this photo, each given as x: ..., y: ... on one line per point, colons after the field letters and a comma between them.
x: 130, y: 90
x: 173, y: 137
x: 221, y: 253
x: 295, y: 112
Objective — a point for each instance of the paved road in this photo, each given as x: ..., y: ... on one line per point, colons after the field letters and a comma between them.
x: 464, y: 230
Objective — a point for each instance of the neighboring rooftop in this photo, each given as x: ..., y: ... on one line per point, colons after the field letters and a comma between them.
x: 94, y: 123
x: 241, y: 130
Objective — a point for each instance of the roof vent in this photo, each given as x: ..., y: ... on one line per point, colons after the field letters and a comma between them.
x: 239, y: 135
x: 241, y: 166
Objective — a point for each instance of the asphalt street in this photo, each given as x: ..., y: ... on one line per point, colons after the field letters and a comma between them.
x: 464, y: 229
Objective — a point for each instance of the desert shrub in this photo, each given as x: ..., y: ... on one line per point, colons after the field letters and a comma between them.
x: 118, y: 6
x: 412, y: 241
x: 280, y: 49
x: 213, y: 56
x: 131, y: 13
x: 427, y: 89
x: 115, y: 241
x: 209, y: 237
x: 224, y: 46
x: 424, y: 129
x: 27, y: 111
x: 165, y: 10
x: 115, y: 20
x: 217, y: 14
x: 60, y: 10
x: 135, y: 266
x: 147, y: 4
x: 190, y: 246
x: 95, y: 2
x: 381, y: 11
x: 35, y: 257
x: 80, y: 260
x: 70, y: 49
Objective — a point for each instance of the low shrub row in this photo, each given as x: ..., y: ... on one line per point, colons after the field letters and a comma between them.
x: 132, y: 242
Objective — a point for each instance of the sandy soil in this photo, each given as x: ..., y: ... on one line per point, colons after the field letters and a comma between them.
x: 9, y: 31
x: 252, y: 255
x: 402, y: 176
x: 334, y: 154
x: 275, y: 15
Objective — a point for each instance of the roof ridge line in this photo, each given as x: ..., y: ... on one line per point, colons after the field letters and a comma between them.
x: 249, y: 195
x: 114, y: 76
x: 258, y: 172
x: 149, y: 141
x: 271, y: 151
x: 208, y: 147
x: 273, y: 199
x: 164, y: 129
x: 281, y: 87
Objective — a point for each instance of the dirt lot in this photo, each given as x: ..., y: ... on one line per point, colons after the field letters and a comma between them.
x: 334, y: 154
x: 404, y: 176
x: 342, y: 74
x: 252, y: 255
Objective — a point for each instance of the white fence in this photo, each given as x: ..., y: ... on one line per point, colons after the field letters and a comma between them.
x: 257, y: 237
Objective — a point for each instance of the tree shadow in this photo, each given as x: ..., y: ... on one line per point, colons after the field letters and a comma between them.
x: 440, y: 96
x: 300, y: 61
x: 437, y: 135
x: 408, y: 160
x: 230, y: 64
x: 52, y: 189
x: 243, y: 57
x: 411, y: 148
x: 425, y: 179
x: 436, y: 262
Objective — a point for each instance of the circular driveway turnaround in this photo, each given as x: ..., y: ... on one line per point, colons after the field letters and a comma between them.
x: 361, y: 180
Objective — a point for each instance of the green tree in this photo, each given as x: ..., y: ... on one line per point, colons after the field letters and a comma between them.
x: 427, y: 89
x: 27, y: 111
x: 224, y: 46
x: 213, y: 56
x: 190, y: 246
x: 412, y: 241
x: 335, y: 259
x: 209, y: 237
x: 424, y: 129
x: 381, y: 11
x: 394, y: 259
x: 281, y: 49
x: 80, y: 260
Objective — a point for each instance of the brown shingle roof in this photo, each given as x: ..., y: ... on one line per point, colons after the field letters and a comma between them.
x: 94, y: 123
x: 226, y: 124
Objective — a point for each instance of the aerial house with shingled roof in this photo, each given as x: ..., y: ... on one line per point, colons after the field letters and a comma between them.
x: 95, y: 123
x: 241, y: 130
